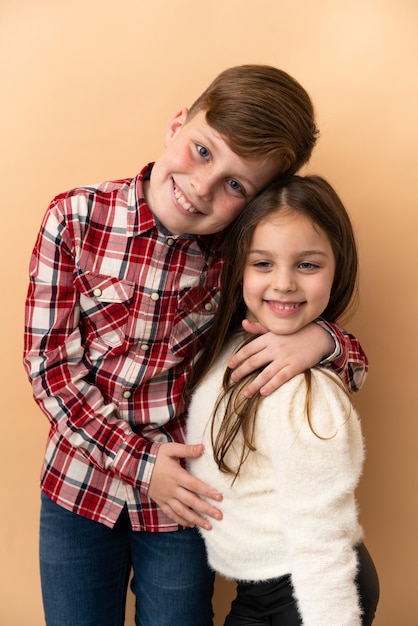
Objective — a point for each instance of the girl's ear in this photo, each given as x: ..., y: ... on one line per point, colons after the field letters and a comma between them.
x: 175, y: 125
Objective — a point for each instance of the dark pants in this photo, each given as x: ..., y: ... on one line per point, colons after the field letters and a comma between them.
x: 271, y: 603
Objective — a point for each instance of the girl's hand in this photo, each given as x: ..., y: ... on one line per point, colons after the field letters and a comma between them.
x: 281, y: 356
x: 180, y: 494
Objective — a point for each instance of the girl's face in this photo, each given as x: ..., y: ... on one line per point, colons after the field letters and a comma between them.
x: 288, y: 273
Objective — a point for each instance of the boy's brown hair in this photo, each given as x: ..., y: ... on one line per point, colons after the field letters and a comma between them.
x: 261, y: 112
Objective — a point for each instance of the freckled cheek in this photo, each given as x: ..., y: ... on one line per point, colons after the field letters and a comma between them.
x: 180, y: 158
x: 230, y: 208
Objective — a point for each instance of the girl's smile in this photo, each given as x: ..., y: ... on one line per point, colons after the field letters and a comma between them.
x: 289, y: 272
x: 284, y: 308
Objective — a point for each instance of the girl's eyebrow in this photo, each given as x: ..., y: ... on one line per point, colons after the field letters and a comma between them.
x: 255, y: 251
x: 313, y: 252
x: 300, y: 253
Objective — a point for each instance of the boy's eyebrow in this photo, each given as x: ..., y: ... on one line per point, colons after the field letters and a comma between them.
x: 250, y: 185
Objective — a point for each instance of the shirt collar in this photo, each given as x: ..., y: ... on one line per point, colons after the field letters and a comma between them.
x: 139, y: 216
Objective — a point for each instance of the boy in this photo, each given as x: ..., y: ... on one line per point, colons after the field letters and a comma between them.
x: 124, y: 286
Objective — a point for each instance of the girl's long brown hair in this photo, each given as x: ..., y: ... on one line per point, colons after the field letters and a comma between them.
x: 313, y: 197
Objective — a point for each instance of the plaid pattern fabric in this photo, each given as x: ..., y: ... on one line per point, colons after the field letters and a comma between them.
x: 115, y: 311
x: 349, y: 360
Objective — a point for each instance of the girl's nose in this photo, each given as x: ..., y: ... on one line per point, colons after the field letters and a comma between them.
x: 283, y: 281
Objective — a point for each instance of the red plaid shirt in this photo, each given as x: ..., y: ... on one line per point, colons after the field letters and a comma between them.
x: 115, y: 311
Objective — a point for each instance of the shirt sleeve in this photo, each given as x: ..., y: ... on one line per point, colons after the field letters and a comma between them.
x: 348, y: 360
x: 317, y: 471
x: 58, y: 366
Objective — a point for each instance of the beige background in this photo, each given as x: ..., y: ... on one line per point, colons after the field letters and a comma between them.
x: 87, y: 87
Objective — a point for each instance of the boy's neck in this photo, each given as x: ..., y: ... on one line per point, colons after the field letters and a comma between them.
x: 163, y: 230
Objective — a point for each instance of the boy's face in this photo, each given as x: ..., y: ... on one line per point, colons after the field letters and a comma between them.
x: 199, y: 185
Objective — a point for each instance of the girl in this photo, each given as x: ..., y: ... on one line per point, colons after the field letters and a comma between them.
x: 287, y: 464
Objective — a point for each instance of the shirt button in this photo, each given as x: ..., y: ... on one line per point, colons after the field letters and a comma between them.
x: 208, y: 306
x: 97, y: 292
x: 155, y: 296
x: 126, y: 394
x: 170, y: 241
x: 144, y: 347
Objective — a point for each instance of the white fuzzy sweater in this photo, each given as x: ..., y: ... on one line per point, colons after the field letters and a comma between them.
x: 292, y: 508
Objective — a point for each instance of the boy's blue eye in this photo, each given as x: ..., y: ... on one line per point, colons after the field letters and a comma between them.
x: 204, y: 152
x: 234, y: 185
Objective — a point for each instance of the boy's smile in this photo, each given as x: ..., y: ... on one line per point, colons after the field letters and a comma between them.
x: 199, y: 185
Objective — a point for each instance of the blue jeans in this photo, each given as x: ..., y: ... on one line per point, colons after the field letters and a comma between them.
x: 85, y: 568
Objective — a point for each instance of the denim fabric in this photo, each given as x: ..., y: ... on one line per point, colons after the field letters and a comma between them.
x: 85, y: 569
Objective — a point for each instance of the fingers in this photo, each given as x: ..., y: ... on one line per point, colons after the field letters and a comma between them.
x: 268, y: 381
x: 181, y: 496
x: 249, y: 358
x: 183, y: 451
x: 188, y: 509
x: 195, y: 486
x: 278, y: 360
x: 258, y: 361
x: 254, y: 327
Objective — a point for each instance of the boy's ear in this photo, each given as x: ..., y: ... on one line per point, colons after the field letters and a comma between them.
x: 175, y: 124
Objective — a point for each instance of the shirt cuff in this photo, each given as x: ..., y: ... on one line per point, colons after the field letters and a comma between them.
x: 327, y: 360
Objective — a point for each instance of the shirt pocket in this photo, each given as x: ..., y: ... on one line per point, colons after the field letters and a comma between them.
x: 193, y: 317
x: 104, y: 308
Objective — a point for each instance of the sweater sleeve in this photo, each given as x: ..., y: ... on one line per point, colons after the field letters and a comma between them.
x: 317, y: 476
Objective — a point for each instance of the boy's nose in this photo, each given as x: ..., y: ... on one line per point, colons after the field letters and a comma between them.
x: 202, y: 183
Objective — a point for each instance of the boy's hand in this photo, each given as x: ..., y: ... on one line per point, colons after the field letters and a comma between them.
x: 177, y: 492
x: 284, y: 355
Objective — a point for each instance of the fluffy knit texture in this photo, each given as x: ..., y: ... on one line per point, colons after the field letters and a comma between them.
x: 292, y: 508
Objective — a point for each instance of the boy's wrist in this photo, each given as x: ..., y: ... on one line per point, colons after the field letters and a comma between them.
x: 334, y: 346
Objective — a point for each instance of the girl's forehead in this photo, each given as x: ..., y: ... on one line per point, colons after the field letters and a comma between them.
x: 279, y: 224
